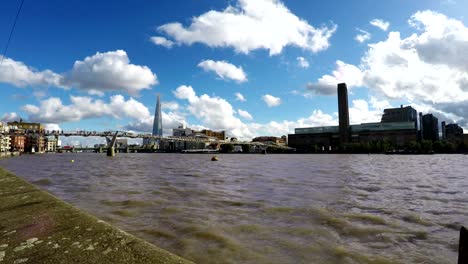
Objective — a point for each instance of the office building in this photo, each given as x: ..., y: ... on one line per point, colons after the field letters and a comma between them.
x: 220, y: 135
x: 442, y: 126
x: 28, y: 127
x: 271, y: 140
x: 157, y: 122
x: 182, y: 131
x: 397, y: 133
x: 34, y: 143
x: 51, y: 143
x: 453, y: 132
x: 400, y: 114
x: 430, y: 125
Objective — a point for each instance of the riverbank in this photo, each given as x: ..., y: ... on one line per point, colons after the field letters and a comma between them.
x: 36, y: 227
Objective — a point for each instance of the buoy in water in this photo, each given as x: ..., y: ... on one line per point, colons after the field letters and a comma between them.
x: 214, y: 158
x: 72, y: 161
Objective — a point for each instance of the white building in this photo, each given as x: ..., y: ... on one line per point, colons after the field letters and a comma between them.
x: 181, y: 131
x: 51, y: 144
x: 5, y: 141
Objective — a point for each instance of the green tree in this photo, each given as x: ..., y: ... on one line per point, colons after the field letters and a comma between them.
x: 414, y: 146
x: 245, y: 148
x: 226, y: 148
x: 426, y: 146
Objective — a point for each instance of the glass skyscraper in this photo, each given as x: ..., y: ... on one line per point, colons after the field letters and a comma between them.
x: 157, y: 123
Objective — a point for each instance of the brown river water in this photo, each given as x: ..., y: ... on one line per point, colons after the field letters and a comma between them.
x: 269, y: 208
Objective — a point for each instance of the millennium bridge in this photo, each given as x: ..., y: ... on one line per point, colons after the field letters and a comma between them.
x: 171, y: 143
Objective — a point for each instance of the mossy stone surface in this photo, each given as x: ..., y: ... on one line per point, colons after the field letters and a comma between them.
x: 36, y: 227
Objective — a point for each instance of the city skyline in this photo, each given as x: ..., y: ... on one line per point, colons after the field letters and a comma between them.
x: 103, y: 73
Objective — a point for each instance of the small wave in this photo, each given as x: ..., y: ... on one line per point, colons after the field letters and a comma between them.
x: 43, y: 182
x: 124, y: 213
x: 127, y: 203
x: 158, y: 233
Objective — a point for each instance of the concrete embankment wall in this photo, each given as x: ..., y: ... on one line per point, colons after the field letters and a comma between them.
x: 36, y: 227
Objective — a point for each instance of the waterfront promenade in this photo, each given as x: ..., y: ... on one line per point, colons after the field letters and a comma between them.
x: 36, y: 227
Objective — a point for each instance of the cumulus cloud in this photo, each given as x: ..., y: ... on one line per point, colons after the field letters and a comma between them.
x: 326, y: 85
x: 213, y: 112
x: 363, y: 36
x: 52, y: 127
x: 109, y: 71
x: 10, y: 117
x: 302, y: 62
x: 240, y: 97
x: 19, y: 74
x: 216, y: 113
x: 97, y: 74
x: 271, y: 101
x: 424, y: 69
x: 245, y: 114
x: 162, y: 41
x: 52, y: 110
x: 170, y: 120
x: 251, y: 25
x: 224, y: 70
x: 285, y: 127
x: 383, y: 25
x: 170, y: 105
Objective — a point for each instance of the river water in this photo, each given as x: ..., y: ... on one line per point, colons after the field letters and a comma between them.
x: 270, y: 208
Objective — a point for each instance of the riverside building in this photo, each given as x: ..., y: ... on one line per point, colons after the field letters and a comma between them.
x: 5, y: 143
x: 398, y: 126
x: 430, y: 127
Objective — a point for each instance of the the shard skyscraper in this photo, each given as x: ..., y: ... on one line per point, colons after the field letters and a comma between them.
x: 157, y: 123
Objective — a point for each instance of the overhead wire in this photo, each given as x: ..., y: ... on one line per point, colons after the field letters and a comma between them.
x: 11, y: 32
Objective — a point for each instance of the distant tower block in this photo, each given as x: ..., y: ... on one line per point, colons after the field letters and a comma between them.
x: 157, y: 123
x: 343, y: 113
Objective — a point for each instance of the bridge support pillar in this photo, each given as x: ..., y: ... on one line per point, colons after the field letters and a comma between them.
x: 110, y: 151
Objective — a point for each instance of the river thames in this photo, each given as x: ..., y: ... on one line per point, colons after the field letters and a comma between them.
x: 269, y: 208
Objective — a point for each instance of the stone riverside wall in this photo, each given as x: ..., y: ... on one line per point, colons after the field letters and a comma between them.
x: 36, y: 227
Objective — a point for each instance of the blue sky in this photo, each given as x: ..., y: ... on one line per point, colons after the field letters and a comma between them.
x: 98, y: 66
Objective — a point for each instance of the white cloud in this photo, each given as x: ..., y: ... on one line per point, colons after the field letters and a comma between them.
x: 170, y: 105
x: 363, y: 36
x: 10, y: 117
x: 251, y: 25
x: 170, y: 120
x: 213, y: 112
x: 285, y: 127
x: 224, y: 70
x: 344, y: 72
x: 162, y: 41
x: 383, y: 25
x: 52, y: 110
x: 52, y: 127
x: 102, y: 72
x: 109, y: 71
x: 245, y: 114
x: 216, y: 113
x: 424, y: 69
x: 19, y: 74
x: 361, y: 112
x: 271, y: 101
x: 302, y: 62
x: 240, y: 97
